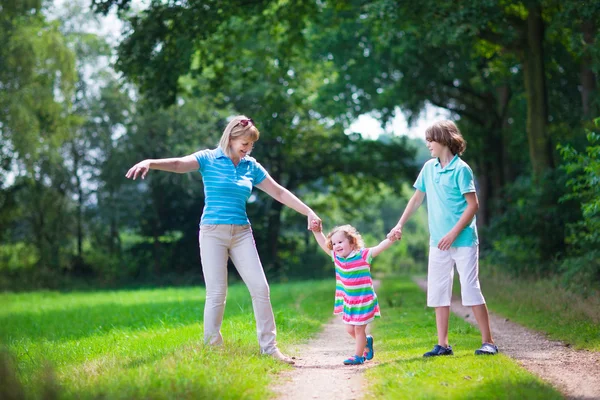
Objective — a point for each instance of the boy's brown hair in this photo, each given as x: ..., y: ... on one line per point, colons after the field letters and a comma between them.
x: 447, y: 133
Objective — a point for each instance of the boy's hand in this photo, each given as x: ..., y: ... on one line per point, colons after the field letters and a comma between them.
x: 446, y: 242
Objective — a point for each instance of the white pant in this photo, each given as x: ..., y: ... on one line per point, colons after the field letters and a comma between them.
x: 217, y: 244
x: 440, y: 276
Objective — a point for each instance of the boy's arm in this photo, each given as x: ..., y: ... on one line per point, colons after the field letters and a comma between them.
x: 465, y: 219
x: 385, y: 244
x: 413, y: 204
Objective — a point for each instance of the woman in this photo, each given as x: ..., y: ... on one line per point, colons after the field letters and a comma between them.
x: 229, y: 174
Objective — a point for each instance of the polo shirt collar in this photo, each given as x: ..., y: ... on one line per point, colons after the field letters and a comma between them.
x: 221, y: 154
x: 451, y: 165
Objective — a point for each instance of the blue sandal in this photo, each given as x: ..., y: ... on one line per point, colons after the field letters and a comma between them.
x: 370, y: 352
x: 354, y: 360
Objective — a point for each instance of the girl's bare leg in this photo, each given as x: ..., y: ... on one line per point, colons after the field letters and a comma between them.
x: 361, y: 339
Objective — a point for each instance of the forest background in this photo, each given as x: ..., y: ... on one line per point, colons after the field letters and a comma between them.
x: 519, y: 77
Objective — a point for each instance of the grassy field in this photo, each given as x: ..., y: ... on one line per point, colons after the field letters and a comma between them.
x: 148, y: 344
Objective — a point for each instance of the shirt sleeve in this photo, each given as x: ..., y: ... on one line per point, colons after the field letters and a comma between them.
x: 466, y: 181
x: 368, y: 256
x: 202, y: 158
x: 420, y: 182
x: 260, y: 173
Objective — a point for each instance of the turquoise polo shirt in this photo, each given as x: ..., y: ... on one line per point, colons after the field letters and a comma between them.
x: 445, y: 189
x: 227, y: 187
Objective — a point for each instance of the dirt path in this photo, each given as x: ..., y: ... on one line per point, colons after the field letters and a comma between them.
x: 320, y: 374
x: 576, y: 373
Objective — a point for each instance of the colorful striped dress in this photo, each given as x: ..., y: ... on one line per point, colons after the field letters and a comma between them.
x: 355, y: 297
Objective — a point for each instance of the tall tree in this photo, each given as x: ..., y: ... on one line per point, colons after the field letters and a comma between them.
x: 252, y: 59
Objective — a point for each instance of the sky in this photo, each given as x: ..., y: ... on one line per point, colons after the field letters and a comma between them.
x: 367, y: 125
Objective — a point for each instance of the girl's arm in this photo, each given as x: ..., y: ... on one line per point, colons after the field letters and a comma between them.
x: 385, y: 244
x: 465, y: 219
x: 179, y: 165
x: 284, y: 196
x: 413, y: 204
x: 322, y: 240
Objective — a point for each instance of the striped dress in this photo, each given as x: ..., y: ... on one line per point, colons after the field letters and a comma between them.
x: 355, y: 297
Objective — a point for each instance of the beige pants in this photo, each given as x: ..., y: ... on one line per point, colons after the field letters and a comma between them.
x: 217, y: 244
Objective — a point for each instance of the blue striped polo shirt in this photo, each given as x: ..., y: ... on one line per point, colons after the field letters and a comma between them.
x: 445, y: 189
x: 227, y: 187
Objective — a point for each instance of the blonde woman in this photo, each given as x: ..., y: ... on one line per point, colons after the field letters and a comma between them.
x: 229, y: 174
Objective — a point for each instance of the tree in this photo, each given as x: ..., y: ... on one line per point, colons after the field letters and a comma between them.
x: 252, y: 59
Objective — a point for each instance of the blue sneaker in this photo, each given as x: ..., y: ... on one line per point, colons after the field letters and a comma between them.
x: 487, y: 349
x: 354, y: 360
x: 439, y: 351
x: 370, y: 352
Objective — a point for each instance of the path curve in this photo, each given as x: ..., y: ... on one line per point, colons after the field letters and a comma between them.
x: 576, y: 373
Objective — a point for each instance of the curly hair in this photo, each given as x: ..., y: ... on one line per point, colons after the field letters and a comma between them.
x: 447, y: 133
x: 355, y: 239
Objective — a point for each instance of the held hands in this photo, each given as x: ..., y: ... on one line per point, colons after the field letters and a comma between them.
x: 314, y: 222
x: 140, y: 168
x: 315, y: 226
x: 395, y: 234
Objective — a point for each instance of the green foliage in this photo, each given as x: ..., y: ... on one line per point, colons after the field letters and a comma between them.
x: 530, y: 233
x: 37, y: 79
x: 18, y: 255
x: 582, y: 268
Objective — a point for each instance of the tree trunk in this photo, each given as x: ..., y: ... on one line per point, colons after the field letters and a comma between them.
x: 588, y: 78
x: 540, y: 150
x: 79, y: 189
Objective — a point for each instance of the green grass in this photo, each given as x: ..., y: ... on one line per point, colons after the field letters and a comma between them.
x: 148, y: 343
x: 544, y: 306
x: 407, y: 330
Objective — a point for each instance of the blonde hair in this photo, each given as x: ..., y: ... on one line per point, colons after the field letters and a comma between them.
x: 447, y: 133
x: 355, y: 239
x: 234, y: 130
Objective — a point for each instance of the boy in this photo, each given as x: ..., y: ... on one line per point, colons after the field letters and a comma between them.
x: 451, y: 206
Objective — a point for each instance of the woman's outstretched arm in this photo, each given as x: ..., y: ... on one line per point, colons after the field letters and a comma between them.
x: 179, y: 165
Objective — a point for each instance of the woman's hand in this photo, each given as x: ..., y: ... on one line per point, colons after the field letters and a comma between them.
x: 314, y: 222
x: 140, y: 168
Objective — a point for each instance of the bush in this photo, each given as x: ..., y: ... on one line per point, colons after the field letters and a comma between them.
x: 581, y: 268
x: 529, y: 236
